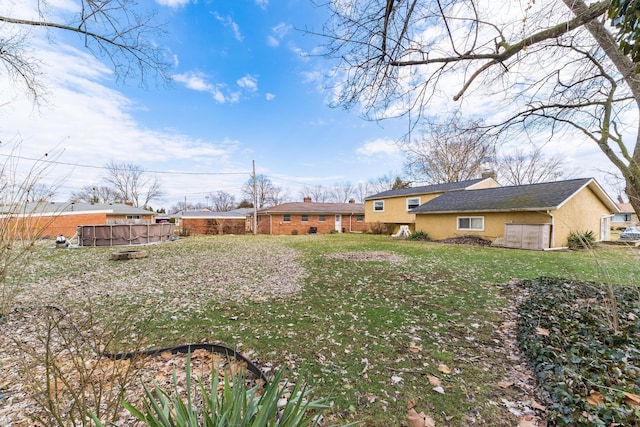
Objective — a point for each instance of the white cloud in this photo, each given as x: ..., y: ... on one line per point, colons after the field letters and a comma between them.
x: 228, y: 22
x: 195, y: 81
x: 249, y: 83
x: 262, y: 4
x: 173, y: 3
x: 378, y: 147
x: 272, y: 41
x: 270, y: 96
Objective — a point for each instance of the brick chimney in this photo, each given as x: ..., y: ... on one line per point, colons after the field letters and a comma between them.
x: 307, y: 200
x: 128, y: 203
x: 352, y: 201
x: 489, y: 174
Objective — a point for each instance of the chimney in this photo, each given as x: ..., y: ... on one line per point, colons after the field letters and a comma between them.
x: 352, y: 201
x: 307, y: 200
x: 128, y: 203
x: 489, y: 173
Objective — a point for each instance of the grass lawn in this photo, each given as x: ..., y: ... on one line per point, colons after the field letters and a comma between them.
x: 367, y: 319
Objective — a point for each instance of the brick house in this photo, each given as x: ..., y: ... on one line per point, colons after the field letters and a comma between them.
x: 308, y: 217
x: 231, y: 222
x: 50, y: 219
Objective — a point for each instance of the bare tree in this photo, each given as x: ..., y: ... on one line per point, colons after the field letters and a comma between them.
x: 556, y: 66
x: 132, y: 184
x: 267, y: 194
x: 113, y: 29
x: 94, y: 194
x: 361, y: 191
x: 222, y: 201
x: 317, y: 193
x: 20, y: 223
x: 382, y: 183
x: 448, y: 152
x: 343, y: 191
x: 530, y: 166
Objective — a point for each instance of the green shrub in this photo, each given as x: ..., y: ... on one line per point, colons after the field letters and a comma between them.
x: 419, y: 235
x: 273, y: 404
x: 582, y: 240
x: 333, y: 231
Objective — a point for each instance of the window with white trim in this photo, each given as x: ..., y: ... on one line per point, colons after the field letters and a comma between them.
x: 473, y: 223
x: 322, y: 218
x: 304, y: 218
x: 378, y: 205
x: 286, y: 217
x: 413, y: 203
x: 133, y: 216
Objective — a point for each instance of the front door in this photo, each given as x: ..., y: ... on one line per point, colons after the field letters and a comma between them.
x: 339, y: 223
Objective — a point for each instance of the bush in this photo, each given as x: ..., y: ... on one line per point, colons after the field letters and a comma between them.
x: 419, y: 235
x: 579, y: 240
x: 229, y: 403
x: 379, y: 228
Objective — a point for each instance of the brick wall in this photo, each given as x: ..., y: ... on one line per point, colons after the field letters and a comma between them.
x: 196, y: 226
x: 275, y: 224
x: 52, y: 226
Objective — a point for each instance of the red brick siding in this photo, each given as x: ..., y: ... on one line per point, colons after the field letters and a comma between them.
x: 51, y: 226
x: 196, y: 226
x: 275, y: 224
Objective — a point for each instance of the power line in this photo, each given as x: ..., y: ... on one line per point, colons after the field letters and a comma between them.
x: 108, y: 168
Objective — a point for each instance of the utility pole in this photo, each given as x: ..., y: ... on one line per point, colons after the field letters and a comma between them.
x: 255, y: 200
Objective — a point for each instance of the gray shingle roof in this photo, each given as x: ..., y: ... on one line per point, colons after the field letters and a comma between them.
x: 548, y: 195
x: 426, y: 189
x: 316, y: 208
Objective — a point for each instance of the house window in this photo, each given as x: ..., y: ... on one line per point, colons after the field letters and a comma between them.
x: 322, y: 218
x: 286, y: 217
x: 475, y: 223
x: 305, y: 218
x: 359, y: 218
x: 413, y: 203
x: 133, y: 216
x: 378, y: 206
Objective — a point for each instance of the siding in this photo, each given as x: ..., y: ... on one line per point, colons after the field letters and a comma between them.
x: 208, y: 226
x: 275, y: 224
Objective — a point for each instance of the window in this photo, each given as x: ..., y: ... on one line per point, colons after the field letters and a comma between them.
x: 286, y: 217
x: 322, y: 218
x: 359, y: 218
x: 378, y: 206
x: 413, y: 202
x: 471, y: 223
x: 133, y: 216
x: 305, y: 218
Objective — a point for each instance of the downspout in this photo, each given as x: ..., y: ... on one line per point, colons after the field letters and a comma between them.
x: 270, y: 224
x: 553, y: 229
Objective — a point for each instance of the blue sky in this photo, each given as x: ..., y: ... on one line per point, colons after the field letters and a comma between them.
x: 248, y: 85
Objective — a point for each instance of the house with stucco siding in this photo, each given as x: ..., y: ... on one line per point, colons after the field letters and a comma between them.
x: 535, y: 216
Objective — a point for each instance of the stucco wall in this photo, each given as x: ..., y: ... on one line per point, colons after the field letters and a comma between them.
x: 582, y: 212
x: 444, y: 226
x: 275, y: 224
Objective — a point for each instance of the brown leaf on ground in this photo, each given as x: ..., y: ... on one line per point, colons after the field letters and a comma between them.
x: 419, y: 419
x: 444, y: 368
x: 536, y: 405
x: 631, y: 399
x: 528, y: 421
x: 595, y: 398
x: 505, y: 384
x: 434, y: 381
x: 543, y: 331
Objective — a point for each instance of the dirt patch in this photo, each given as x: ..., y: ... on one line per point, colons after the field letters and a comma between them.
x: 369, y: 256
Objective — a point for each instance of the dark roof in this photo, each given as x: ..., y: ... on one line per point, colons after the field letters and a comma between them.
x: 426, y: 189
x: 543, y: 196
x: 316, y: 208
x: 57, y: 208
x: 236, y: 213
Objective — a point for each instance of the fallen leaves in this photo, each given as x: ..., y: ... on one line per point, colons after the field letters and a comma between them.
x: 418, y: 419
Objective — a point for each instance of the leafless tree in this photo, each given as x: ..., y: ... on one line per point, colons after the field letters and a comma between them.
x: 382, y: 183
x: 529, y: 166
x: 222, y: 201
x: 95, y: 194
x: 342, y: 191
x: 132, y: 184
x: 448, y: 152
x: 551, y: 67
x: 266, y: 194
x: 20, y: 223
x: 317, y: 193
x: 361, y: 191
x: 117, y: 30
